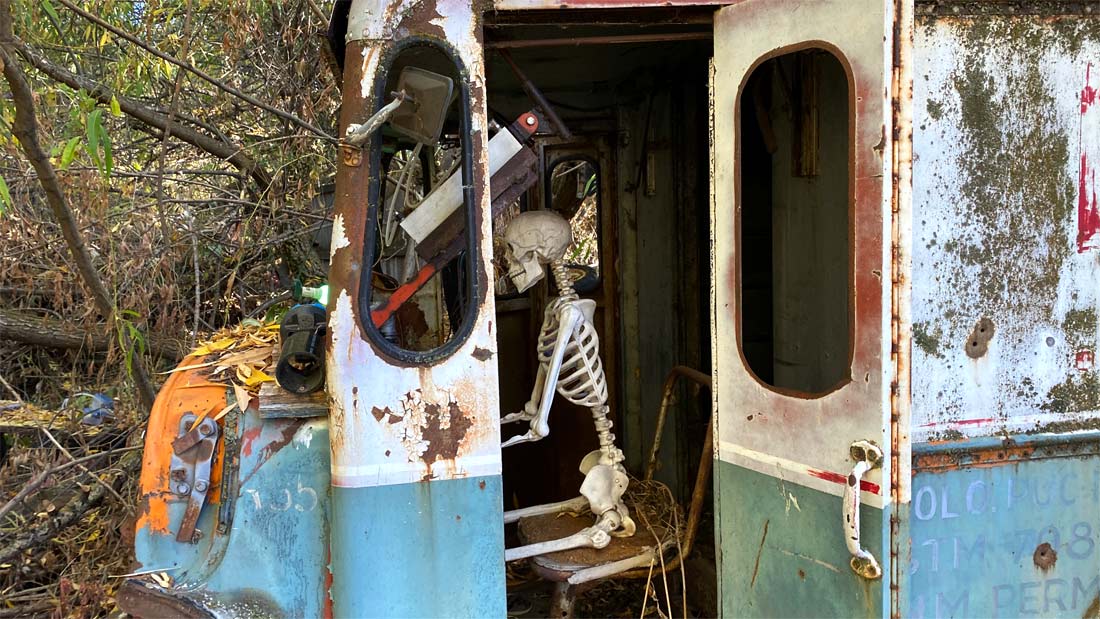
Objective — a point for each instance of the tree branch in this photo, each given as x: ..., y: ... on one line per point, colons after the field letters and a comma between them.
x: 198, y: 72
x: 30, y: 329
x: 227, y: 152
x: 25, y: 128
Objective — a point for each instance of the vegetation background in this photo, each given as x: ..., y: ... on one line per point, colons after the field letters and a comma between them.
x: 192, y: 141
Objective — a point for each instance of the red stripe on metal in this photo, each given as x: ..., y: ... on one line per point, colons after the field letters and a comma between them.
x: 837, y: 478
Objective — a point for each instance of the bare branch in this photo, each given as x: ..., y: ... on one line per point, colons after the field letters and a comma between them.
x: 198, y: 72
x: 228, y: 152
x: 25, y: 128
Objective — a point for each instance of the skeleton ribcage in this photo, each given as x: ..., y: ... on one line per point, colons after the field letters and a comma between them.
x: 581, y: 379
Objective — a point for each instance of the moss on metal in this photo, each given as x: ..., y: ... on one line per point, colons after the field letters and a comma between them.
x: 935, y: 109
x: 927, y: 339
x: 1079, y: 325
x: 1078, y: 394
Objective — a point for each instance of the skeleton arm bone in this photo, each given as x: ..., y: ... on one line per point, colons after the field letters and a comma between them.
x: 530, y: 409
x: 540, y: 426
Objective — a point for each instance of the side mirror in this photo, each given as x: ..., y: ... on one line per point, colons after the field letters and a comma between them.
x: 429, y: 96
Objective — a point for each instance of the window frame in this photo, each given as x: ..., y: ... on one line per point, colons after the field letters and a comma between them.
x: 853, y: 239
x: 547, y: 200
x: 470, y: 194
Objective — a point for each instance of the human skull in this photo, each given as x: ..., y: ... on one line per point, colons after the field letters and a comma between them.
x: 534, y: 239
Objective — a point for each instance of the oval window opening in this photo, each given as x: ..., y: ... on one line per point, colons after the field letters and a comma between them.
x: 795, y: 232
x: 419, y: 242
x: 573, y: 191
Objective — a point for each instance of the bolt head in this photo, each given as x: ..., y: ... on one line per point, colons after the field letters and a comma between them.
x: 183, y: 488
x: 206, y: 429
x: 530, y: 120
x: 201, y: 485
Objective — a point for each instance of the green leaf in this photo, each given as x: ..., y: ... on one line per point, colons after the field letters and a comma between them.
x: 116, y: 109
x: 69, y: 153
x: 48, y: 7
x: 5, y: 196
x: 93, y: 131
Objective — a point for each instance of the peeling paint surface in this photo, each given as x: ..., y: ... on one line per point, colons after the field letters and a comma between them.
x: 339, y: 235
x: 1006, y: 140
x: 778, y: 449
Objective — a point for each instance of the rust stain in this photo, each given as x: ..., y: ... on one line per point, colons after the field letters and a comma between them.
x: 328, y: 583
x: 481, y: 354
x: 978, y: 342
x: 381, y: 413
x: 444, y: 432
x: 186, y: 391
x: 1045, y: 557
x: 249, y: 437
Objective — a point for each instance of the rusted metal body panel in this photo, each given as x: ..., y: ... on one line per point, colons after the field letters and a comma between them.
x: 392, y: 433
x: 261, y: 543
x: 518, y: 5
x: 784, y: 457
x: 1005, y: 292
x: 415, y: 442
x: 1006, y: 531
x: 758, y: 426
x: 1005, y: 279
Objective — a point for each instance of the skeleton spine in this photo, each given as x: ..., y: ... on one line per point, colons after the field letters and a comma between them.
x: 562, y: 280
x: 603, y: 430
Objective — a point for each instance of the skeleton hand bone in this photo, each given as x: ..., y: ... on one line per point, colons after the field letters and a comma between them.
x: 528, y: 413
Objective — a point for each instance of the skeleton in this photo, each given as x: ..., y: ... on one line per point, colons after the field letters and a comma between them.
x: 569, y: 363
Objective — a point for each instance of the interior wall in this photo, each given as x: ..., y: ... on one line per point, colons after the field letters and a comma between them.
x: 810, y: 249
x: 662, y: 258
x: 795, y: 224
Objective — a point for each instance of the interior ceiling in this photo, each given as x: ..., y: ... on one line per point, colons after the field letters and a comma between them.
x: 591, y: 77
x: 588, y: 79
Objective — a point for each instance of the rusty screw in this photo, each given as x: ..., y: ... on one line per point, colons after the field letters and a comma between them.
x: 179, y: 474
x: 205, y: 429
x: 196, y: 536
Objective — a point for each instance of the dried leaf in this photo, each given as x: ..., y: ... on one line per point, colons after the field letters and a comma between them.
x: 257, y: 377
x: 214, y: 346
x: 242, y: 395
x: 222, y: 412
x: 199, y: 419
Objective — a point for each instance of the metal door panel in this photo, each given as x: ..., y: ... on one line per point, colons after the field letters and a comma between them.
x: 784, y: 456
x: 415, y: 442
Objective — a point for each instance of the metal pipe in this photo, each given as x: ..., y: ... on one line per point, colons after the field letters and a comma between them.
x: 677, y: 372
x: 600, y: 40
x: 536, y: 96
x: 706, y: 461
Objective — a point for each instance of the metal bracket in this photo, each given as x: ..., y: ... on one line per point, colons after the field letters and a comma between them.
x: 192, y: 456
x: 867, y: 456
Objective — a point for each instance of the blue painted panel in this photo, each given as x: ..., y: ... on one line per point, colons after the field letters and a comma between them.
x: 978, y: 532
x: 273, y: 560
x: 429, y: 549
x: 782, y: 551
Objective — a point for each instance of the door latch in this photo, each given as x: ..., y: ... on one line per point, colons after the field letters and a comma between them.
x: 867, y: 456
x: 193, y: 454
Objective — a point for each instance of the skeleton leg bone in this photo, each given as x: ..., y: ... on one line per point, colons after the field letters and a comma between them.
x: 596, y: 536
x: 572, y: 505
